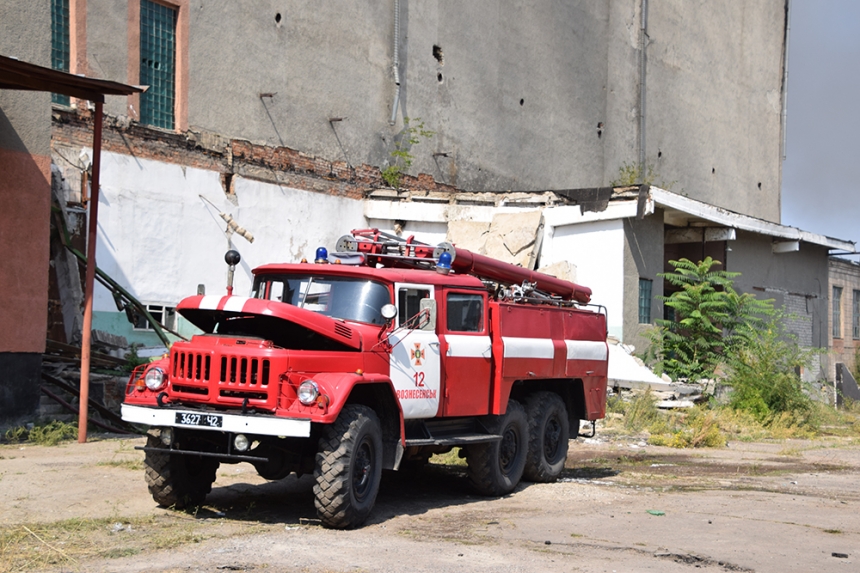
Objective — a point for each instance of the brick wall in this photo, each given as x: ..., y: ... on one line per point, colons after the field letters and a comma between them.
x: 204, y: 150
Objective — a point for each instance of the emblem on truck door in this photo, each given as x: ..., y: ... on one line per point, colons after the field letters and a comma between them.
x: 417, y: 354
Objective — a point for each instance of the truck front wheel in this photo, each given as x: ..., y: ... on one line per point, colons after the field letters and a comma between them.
x: 549, y: 433
x: 177, y: 481
x: 348, y: 468
x: 495, y: 468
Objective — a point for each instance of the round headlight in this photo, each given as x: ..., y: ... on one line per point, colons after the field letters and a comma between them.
x: 155, y: 379
x: 241, y: 442
x: 308, y: 392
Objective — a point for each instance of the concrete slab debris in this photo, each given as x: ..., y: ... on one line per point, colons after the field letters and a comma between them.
x: 627, y: 371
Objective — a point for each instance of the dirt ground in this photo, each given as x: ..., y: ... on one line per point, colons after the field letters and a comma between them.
x: 621, y: 506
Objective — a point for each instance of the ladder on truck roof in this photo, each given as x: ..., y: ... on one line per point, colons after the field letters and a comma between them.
x: 379, y: 247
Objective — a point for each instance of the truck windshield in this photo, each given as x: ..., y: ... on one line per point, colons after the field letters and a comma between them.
x: 347, y: 298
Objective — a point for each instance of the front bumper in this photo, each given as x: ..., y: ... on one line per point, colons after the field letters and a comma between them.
x: 235, y: 423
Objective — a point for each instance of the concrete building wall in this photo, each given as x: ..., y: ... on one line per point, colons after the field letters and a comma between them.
x: 643, y: 259
x: 714, y: 101
x: 518, y: 99
x: 796, y: 281
x: 25, y: 193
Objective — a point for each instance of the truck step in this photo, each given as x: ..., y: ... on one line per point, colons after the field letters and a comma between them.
x: 448, y: 432
x: 461, y: 440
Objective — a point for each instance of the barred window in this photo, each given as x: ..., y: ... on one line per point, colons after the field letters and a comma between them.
x: 60, y: 51
x: 837, y: 312
x: 645, y: 300
x: 157, y: 63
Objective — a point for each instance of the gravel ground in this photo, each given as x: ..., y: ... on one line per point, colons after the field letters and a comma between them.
x: 620, y: 506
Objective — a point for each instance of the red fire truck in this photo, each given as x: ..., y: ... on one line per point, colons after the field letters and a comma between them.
x: 382, y: 353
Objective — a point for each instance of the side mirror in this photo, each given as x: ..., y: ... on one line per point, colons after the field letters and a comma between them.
x: 428, y: 309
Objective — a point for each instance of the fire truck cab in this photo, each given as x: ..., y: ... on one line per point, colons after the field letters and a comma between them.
x: 378, y: 355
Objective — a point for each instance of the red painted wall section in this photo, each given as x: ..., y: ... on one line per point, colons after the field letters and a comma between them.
x: 25, y: 196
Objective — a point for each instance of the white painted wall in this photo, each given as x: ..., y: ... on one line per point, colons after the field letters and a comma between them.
x: 597, y: 250
x: 159, y: 240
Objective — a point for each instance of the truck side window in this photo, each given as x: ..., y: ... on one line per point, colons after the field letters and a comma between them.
x: 409, y: 302
x: 465, y: 312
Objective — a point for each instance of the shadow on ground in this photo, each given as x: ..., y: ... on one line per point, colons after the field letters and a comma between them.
x: 290, y: 500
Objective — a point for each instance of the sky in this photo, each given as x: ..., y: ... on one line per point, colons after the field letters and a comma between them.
x: 821, y: 172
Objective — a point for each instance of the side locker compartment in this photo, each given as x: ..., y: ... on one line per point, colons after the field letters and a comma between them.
x: 587, y: 352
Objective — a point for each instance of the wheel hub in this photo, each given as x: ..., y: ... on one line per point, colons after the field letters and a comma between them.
x: 362, y: 468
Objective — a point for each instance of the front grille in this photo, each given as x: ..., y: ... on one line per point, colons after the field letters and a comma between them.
x: 225, y: 379
x: 192, y: 366
x: 244, y: 371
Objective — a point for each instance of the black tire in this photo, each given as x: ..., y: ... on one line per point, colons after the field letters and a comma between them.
x: 549, y: 435
x: 495, y: 468
x: 177, y: 481
x: 348, y: 468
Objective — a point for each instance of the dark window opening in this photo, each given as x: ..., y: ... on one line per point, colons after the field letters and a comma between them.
x: 645, y: 289
x: 837, y: 312
x: 855, y: 322
x: 409, y: 303
x: 465, y: 312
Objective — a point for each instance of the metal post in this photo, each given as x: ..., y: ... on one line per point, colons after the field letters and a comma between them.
x: 86, y: 335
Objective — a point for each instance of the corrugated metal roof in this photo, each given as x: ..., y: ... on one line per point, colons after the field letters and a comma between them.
x: 18, y: 75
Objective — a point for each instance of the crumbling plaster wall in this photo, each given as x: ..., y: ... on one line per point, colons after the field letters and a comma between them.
x: 544, y: 98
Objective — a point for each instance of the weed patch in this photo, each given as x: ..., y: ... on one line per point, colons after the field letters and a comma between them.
x: 49, y: 434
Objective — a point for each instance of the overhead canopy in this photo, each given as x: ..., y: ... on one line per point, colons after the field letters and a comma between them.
x: 683, y: 211
x: 18, y: 75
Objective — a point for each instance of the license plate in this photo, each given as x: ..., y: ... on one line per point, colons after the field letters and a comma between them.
x: 194, y: 419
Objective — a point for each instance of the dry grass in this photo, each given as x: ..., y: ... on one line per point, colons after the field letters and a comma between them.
x: 451, y: 458
x: 713, y: 427
x: 66, y: 544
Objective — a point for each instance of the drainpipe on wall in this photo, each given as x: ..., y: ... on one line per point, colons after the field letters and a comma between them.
x: 643, y: 43
x: 784, y: 118
x: 396, y: 64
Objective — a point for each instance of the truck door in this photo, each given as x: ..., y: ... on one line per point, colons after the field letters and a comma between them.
x: 415, y: 356
x: 467, y: 354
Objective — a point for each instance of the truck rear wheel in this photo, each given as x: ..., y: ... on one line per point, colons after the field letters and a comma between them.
x: 348, y: 468
x: 177, y: 481
x: 549, y: 432
x: 495, y: 468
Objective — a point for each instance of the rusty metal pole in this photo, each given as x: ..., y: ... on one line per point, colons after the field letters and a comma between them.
x: 86, y: 335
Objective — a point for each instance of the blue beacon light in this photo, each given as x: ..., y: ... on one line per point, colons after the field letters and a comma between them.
x: 321, y: 256
x: 443, y: 265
